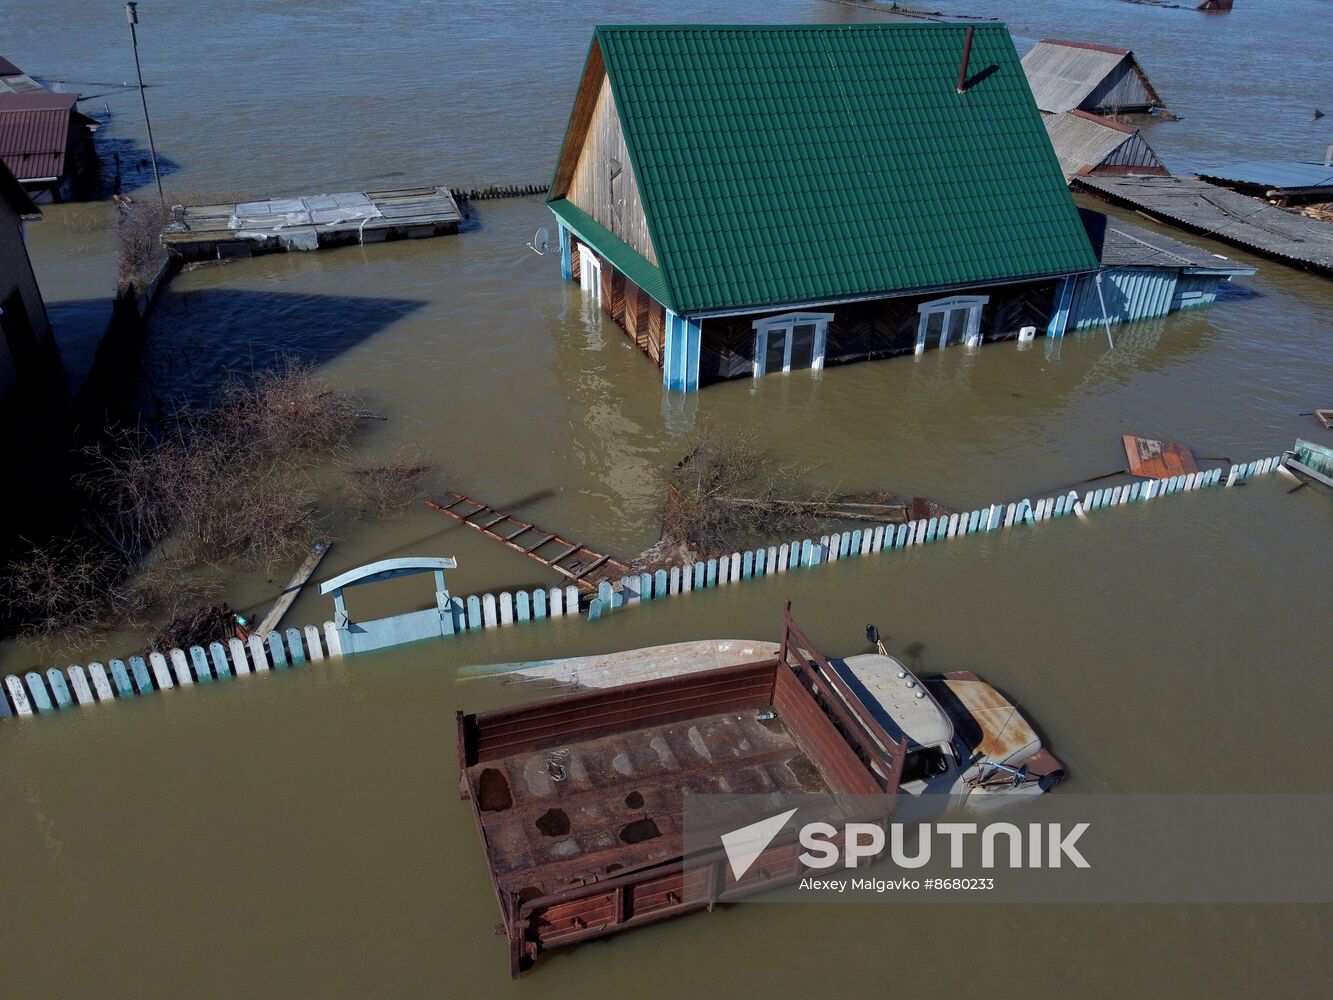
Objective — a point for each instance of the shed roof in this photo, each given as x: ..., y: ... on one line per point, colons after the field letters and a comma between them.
x: 1277, y: 175
x: 1083, y: 140
x: 803, y: 163
x: 1063, y: 73
x: 34, y: 133
x: 1123, y: 244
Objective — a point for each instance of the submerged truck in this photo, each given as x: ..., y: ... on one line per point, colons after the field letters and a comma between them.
x: 579, y: 799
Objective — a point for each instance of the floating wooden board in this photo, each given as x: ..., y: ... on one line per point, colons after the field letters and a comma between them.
x: 1325, y: 417
x: 293, y: 589
x: 1158, y: 459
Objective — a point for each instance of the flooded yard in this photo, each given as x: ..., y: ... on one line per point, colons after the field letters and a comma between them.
x: 300, y: 833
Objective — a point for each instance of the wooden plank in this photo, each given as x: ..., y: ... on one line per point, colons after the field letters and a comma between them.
x: 595, y: 565
x: 493, y: 521
x: 538, y: 544
x: 293, y: 588
x: 563, y: 555
x: 1158, y: 459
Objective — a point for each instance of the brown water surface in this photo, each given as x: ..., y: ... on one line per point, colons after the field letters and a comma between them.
x: 299, y: 834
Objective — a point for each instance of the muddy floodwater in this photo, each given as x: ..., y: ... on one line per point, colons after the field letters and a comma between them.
x: 300, y: 834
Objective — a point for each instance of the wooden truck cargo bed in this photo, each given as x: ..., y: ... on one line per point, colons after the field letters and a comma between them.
x: 579, y: 799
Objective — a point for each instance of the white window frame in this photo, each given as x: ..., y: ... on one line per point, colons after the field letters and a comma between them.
x: 971, y: 332
x: 787, y: 323
x: 590, y: 273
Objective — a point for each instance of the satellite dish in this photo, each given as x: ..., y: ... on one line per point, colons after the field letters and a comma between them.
x: 541, y: 240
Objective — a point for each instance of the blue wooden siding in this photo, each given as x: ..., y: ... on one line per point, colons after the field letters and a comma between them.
x: 1133, y: 293
x: 1194, y: 290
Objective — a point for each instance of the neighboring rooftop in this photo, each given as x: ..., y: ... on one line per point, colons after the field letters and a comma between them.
x: 1085, y: 143
x: 14, y: 81
x: 1226, y: 215
x: 1066, y: 74
x: 1123, y: 244
x: 1278, y: 176
x: 34, y: 133
x: 792, y: 164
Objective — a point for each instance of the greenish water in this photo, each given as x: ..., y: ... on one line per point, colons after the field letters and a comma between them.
x: 300, y: 833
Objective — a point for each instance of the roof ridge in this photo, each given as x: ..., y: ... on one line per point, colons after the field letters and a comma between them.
x: 1071, y: 43
x: 755, y: 28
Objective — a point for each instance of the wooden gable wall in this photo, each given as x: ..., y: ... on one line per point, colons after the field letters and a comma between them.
x: 603, y: 182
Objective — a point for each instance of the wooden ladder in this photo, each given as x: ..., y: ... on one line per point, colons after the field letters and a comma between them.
x: 572, y: 560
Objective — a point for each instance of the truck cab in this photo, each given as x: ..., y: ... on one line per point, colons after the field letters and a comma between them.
x: 964, y: 737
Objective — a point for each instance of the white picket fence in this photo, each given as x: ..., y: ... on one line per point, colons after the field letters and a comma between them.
x: 809, y: 552
x: 136, y: 676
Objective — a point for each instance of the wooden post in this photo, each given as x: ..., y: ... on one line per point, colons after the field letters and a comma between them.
x: 79, y: 681
x: 160, y: 672
x: 313, y: 644
x: 200, y: 660
x: 258, y: 653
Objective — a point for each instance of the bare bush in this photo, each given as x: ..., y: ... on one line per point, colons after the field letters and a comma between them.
x: 139, y: 246
x: 293, y: 412
x: 727, y: 491
x: 198, y: 627
x: 234, y: 486
x: 381, y: 488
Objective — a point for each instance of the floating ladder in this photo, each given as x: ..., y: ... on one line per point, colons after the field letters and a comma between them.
x: 576, y: 562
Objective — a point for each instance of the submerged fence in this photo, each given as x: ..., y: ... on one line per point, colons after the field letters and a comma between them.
x: 137, y: 676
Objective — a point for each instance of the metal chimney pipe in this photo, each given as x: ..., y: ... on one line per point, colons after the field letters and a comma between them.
x: 967, y: 54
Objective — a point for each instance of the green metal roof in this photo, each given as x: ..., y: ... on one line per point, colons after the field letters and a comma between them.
x: 622, y: 256
x: 789, y: 164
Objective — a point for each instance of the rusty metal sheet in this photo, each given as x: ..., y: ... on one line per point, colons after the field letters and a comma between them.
x: 1158, y: 459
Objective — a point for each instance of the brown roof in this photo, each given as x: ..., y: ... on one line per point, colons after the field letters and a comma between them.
x: 34, y: 133
x: 1086, y: 45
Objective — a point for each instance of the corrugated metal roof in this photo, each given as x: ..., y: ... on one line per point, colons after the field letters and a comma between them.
x: 1222, y: 214
x: 1063, y: 74
x: 805, y: 163
x: 34, y: 133
x: 1273, y: 174
x: 1123, y: 244
x: 1081, y: 140
x: 20, y: 83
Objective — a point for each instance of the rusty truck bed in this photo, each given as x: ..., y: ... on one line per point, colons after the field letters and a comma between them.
x: 579, y: 800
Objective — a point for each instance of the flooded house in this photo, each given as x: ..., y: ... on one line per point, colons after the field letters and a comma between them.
x: 1102, y: 79
x: 1144, y: 275
x: 744, y: 201
x: 45, y: 141
x: 1085, y: 144
x: 23, y: 319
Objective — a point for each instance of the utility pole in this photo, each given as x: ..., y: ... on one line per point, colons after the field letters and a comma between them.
x: 132, y: 16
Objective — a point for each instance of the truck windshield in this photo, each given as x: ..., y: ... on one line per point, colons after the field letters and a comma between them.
x: 924, y: 763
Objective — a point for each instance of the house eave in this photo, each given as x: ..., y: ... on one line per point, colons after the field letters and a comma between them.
x: 877, y: 296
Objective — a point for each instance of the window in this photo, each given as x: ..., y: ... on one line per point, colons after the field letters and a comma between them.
x: 790, y: 343
x: 924, y: 763
x: 590, y: 273
x: 955, y: 320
